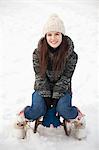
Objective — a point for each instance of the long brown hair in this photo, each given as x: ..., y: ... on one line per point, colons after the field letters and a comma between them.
x: 59, y: 57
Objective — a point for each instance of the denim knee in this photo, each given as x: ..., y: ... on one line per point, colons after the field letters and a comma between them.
x: 65, y: 108
x: 66, y: 101
x: 37, y: 108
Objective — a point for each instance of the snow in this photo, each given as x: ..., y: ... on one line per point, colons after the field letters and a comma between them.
x: 21, y: 23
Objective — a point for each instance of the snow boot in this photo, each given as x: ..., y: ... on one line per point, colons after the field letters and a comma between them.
x: 20, y: 126
x: 79, y: 125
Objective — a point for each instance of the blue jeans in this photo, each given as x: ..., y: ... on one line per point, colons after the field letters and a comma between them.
x: 38, y: 107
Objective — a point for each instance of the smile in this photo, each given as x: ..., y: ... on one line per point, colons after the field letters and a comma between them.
x: 53, y: 42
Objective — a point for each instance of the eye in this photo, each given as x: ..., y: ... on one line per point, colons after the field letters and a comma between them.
x: 57, y: 34
x: 49, y: 34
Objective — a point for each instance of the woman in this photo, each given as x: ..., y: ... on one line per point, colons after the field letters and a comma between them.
x: 54, y: 62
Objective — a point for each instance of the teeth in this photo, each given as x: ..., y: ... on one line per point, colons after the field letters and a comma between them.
x: 53, y: 42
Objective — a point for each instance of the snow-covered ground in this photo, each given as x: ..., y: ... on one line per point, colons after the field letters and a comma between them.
x: 21, y: 23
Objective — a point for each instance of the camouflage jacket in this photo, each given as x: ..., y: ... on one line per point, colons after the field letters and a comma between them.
x: 62, y: 82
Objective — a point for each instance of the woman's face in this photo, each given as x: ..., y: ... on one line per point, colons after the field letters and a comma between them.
x: 54, y: 39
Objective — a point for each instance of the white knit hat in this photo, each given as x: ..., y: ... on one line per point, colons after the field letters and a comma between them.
x: 54, y: 23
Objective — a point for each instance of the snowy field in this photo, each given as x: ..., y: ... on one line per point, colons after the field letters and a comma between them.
x: 21, y: 23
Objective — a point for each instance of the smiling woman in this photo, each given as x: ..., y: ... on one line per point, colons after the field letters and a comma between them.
x: 54, y: 62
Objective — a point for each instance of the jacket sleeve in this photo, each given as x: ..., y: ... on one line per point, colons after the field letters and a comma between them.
x: 64, y: 82
x: 41, y: 84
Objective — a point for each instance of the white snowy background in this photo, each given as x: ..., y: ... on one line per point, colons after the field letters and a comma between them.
x: 21, y: 23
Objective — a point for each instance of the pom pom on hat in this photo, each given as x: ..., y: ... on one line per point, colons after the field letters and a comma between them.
x: 54, y: 23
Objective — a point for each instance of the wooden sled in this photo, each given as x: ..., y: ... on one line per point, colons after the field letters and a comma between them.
x: 63, y: 123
